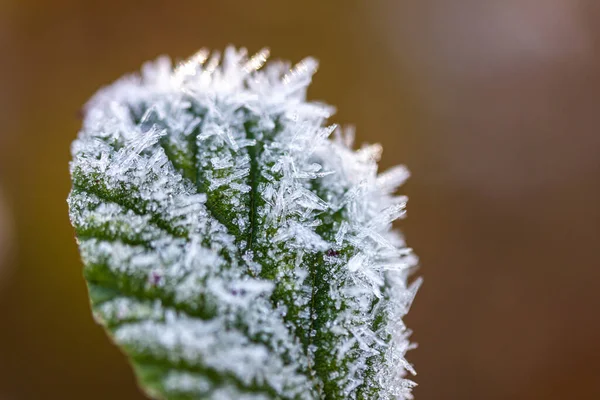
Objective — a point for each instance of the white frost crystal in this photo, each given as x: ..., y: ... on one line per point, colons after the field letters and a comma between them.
x: 231, y: 248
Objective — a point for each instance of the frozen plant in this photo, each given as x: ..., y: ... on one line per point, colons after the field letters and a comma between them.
x: 231, y: 249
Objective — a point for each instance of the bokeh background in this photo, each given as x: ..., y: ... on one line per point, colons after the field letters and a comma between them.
x: 494, y: 106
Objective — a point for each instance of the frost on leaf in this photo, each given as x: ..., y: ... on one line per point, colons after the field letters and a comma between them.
x: 233, y: 249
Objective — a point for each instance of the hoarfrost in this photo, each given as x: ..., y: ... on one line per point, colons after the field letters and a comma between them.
x: 224, y: 234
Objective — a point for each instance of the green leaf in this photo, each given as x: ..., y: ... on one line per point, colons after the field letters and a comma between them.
x: 231, y: 249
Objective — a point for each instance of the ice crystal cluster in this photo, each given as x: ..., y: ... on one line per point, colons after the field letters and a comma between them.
x: 232, y: 249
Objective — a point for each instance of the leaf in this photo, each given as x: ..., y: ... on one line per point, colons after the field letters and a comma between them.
x: 231, y: 249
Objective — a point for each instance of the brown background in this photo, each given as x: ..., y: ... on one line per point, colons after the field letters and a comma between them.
x: 492, y: 104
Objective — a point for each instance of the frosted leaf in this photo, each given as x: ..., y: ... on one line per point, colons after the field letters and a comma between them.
x: 233, y: 250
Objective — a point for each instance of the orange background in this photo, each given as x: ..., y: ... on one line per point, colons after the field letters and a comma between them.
x: 492, y: 105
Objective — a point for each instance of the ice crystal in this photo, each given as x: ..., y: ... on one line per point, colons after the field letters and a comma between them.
x: 231, y: 248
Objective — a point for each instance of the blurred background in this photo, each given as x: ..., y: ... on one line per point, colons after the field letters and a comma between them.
x: 493, y: 105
